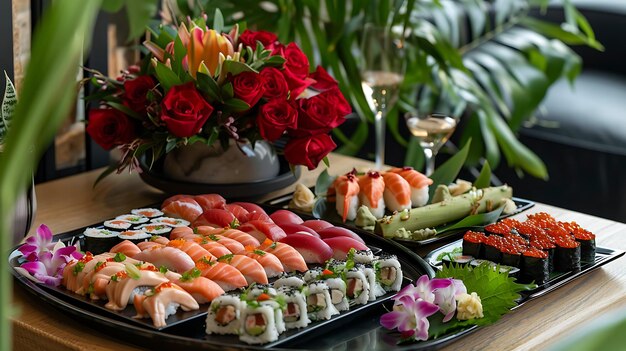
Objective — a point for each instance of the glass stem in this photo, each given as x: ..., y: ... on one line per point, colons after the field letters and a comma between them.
x: 429, y: 157
x: 379, y: 129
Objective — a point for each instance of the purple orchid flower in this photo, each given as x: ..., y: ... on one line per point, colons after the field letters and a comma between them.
x: 445, y: 298
x: 46, y: 259
x: 423, y: 289
x: 410, y: 318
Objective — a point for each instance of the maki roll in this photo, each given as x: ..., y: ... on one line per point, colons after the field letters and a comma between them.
x: 289, y: 280
x: 472, y: 244
x: 134, y: 219
x: 147, y: 212
x: 172, y: 222
x: 295, y: 311
x: 319, y: 304
x: 99, y: 240
x: 390, y: 272
x: 279, y: 321
x: 357, y: 287
x: 224, y: 315
x: 135, y: 236
x: 156, y: 229
x: 376, y: 288
x: 535, y: 266
x: 257, y: 289
x: 566, y: 254
x: 337, y: 291
x: 363, y: 256
x: 117, y: 224
x: 258, y: 325
x: 312, y: 274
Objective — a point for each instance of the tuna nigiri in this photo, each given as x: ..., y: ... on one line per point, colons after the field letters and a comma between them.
x: 397, y: 193
x: 210, y: 201
x: 285, y: 216
x: 419, y: 184
x: 317, y: 224
x: 339, y: 231
x: 342, y: 244
x: 262, y: 229
x: 347, y: 191
x: 239, y: 212
x: 372, y: 187
x: 215, y: 217
x: 312, y: 249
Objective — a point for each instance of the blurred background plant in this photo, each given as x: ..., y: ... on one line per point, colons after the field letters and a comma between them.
x: 490, y: 62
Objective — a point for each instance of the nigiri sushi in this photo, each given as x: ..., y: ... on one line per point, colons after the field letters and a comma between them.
x: 347, y: 199
x: 126, y: 247
x: 163, y: 301
x: 210, y: 201
x: 172, y: 258
x: 418, y: 182
x: 397, y: 193
x: 215, y: 217
x: 312, y: 248
x: 372, y: 187
x: 239, y: 212
x: 202, y: 289
x: 224, y: 275
x: 285, y: 216
x: 252, y: 270
x: 191, y: 248
x: 184, y: 207
x: 342, y: 244
x: 125, y: 284
x: 271, y: 264
x: 289, y: 257
x: 262, y: 229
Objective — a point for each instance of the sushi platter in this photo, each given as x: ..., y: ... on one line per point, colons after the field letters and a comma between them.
x: 187, y: 328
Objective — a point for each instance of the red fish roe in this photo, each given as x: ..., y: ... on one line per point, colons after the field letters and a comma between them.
x: 498, y: 228
x: 534, y: 252
x: 529, y: 229
x: 541, y: 216
x: 510, y: 222
x: 566, y: 242
x: 474, y: 237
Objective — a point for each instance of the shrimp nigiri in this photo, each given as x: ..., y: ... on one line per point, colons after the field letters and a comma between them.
x: 372, y: 186
x: 347, y: 191
x: 419, y: 184
x: 397, y: 193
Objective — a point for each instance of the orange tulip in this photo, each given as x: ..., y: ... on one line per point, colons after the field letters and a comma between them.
x: 205, y: 46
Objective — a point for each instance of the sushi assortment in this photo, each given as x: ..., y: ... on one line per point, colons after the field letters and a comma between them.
x: 396, y: 190
x: 201, y: 250
x: 533, y: 248
x: 260, y: 313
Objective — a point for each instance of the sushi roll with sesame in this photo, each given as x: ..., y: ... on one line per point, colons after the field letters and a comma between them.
x: 337, y: 291
x: 376, y: 288
x: 224, y: 315
x: 363, y: 256
x: 357, y: 287
x: 257, y: 289
x: 295, y: 311
x: 312, y: 274
x: 99, y: 240
x: 319, y: 305
x: 293, y: 280
x: 258, y: 325
x: 390, y: 272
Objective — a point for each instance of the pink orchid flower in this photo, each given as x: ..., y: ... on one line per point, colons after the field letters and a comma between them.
x: 410, y: 318
x: 423, y: 289
x: 445, y: 298
x: 46, y: 259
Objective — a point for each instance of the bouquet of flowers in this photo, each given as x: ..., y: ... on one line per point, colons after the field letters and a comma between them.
x: 201, y: 85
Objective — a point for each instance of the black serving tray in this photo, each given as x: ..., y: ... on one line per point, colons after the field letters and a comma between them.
x: 557, y: 279
x: 187, y: 330
x: 331, y: 216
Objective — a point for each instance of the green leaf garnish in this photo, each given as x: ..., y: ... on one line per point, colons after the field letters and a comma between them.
x: 163, y: 269
x: 498, y: 293
x: 190, y: 275
x: 227, y: 258
x: 78, y: 267
x: 119, y: 257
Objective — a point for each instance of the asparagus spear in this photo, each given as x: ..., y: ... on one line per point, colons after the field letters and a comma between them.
x: 448, y: 210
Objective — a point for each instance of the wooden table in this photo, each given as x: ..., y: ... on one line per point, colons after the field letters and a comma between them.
x: 71, y: 203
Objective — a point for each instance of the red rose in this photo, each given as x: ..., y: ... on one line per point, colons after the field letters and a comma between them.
x: 110, y: 127
x: 323, y: 81
x: 275, y: 117
x: 309, y: 151
x: 184, y: 110
x: 295, y: 84
x: 136, y: 91
x: 296, y: 61
x: 248, y: 86
x: 319, y: 114
x: 274, y: 83
x: 336, y: 98
x: 249, y: 38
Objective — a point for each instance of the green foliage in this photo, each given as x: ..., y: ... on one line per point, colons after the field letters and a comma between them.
x: 449, y: 171
x: 473, y: 220
x: 495, y: 75
x: 484, y: 178
x: 497, y: 291
x: 7, y: 107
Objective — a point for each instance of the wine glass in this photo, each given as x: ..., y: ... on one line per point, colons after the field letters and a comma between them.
x: 432, y: 131
x: 381, y: 75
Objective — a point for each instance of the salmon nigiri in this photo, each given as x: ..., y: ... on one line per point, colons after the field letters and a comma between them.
x: 193, y: 249
x: 224, y: 275
x: 252, y: 270
x: 126, y: 247
x: 271, y: 264
x: 166, y: 299
x: 372, y: 187
x: 202, y: 289
x: 231, y: 244
x: 185, y: 208
x: 244, y: 238
x: 172, y: 258
x: 216, y: 249
x: 289, y: 257
x: 183, y: 232
x: 397, y: 193
x: 347, y: 191
x: 419, y: 184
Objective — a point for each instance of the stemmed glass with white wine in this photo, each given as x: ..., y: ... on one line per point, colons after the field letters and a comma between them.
x: 432, y: 131
x: 381, y: 74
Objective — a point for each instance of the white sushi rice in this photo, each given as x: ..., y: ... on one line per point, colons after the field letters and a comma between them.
x: 147, y: 212
x: 419, y: 197
x: 134, y: 235
x: 259, y: 289
x: 319, y: 303
x: 363, y: 256
x: 337, y: 290
x: 393, y: 204
x: 353, y: 205
x: 377, y: 212
x: 312, y: 274
x: 357, y: 277
x: 213, y: 327
x: 278, y: 314
x: 169, y: 221
x: 294, y: 315
x: 376, y: 289
x: 289, y: 280
x: 248, y: 316
x: 100, y: 233
x: 134, y: 219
